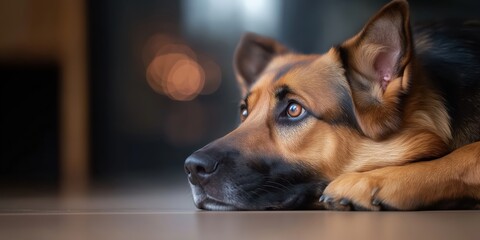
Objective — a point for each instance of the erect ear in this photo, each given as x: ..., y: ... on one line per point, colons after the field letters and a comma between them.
x: 253, y: 54
x: 377, y: 64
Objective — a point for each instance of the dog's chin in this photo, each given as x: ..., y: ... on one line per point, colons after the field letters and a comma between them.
x: 211, y: 204
x: 204, y: 201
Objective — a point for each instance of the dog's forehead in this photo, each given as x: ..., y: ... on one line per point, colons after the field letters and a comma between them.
x: 288, y: 64
x: 303, y: 73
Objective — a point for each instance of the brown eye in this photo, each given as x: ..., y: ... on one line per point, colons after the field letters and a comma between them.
x: 294, y: 110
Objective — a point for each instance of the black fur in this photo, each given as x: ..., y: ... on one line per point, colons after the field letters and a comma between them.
x: 450, y: 54
x: 348, y: 114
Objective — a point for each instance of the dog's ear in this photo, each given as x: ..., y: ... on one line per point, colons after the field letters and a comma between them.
x: 376, y: 63
x: 252, y: 56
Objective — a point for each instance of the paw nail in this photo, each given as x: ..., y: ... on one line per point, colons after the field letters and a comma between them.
x: 344, y: 201
x: 376, y: 202
x: 328, y: 199
x: 321, y: 198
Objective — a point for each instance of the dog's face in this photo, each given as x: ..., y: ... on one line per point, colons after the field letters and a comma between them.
x: 306, y: 119
x: 282, y: 153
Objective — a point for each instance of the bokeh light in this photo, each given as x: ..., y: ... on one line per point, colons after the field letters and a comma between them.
x: 159, y: 69
x: 185, y: 80
x: 174, y: 69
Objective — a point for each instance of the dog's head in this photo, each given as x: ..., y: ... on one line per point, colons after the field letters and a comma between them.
x: 305, y: 119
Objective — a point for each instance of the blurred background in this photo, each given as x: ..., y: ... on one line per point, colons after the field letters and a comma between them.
x: 116, y: 94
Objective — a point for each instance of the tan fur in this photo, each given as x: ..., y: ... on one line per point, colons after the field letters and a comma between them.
x: 453, y: 176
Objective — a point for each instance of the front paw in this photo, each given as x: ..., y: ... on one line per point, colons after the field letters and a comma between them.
x: 356, y: 191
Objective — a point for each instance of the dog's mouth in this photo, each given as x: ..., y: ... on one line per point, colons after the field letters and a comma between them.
x: 302, y: 197
x: 214, y: 205
x: 203, y: 201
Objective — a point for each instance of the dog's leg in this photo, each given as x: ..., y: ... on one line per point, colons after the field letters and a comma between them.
x: 450, y: 179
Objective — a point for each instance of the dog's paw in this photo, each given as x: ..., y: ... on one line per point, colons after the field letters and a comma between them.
x: 357, y: 191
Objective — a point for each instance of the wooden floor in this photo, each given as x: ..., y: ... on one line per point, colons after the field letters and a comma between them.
x: 160, y: 212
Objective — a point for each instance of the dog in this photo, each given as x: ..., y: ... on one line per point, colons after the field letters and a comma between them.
x: 387, y: 120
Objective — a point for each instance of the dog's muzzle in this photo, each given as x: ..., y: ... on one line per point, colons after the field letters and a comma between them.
x: 221, y: 178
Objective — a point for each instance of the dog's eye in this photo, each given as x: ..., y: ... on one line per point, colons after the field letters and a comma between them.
x: 243, y: 112
x: 294, y: 110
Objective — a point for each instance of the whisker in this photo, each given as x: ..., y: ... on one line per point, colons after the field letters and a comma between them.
x: 279, y: 185
x: 249, y: 197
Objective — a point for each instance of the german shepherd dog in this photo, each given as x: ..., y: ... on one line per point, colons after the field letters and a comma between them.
x: 387, y: 120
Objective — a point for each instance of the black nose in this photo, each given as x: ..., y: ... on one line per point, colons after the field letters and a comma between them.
x: 200, y: 167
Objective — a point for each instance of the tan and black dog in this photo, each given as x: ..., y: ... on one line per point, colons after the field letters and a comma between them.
x: 388, y: 120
